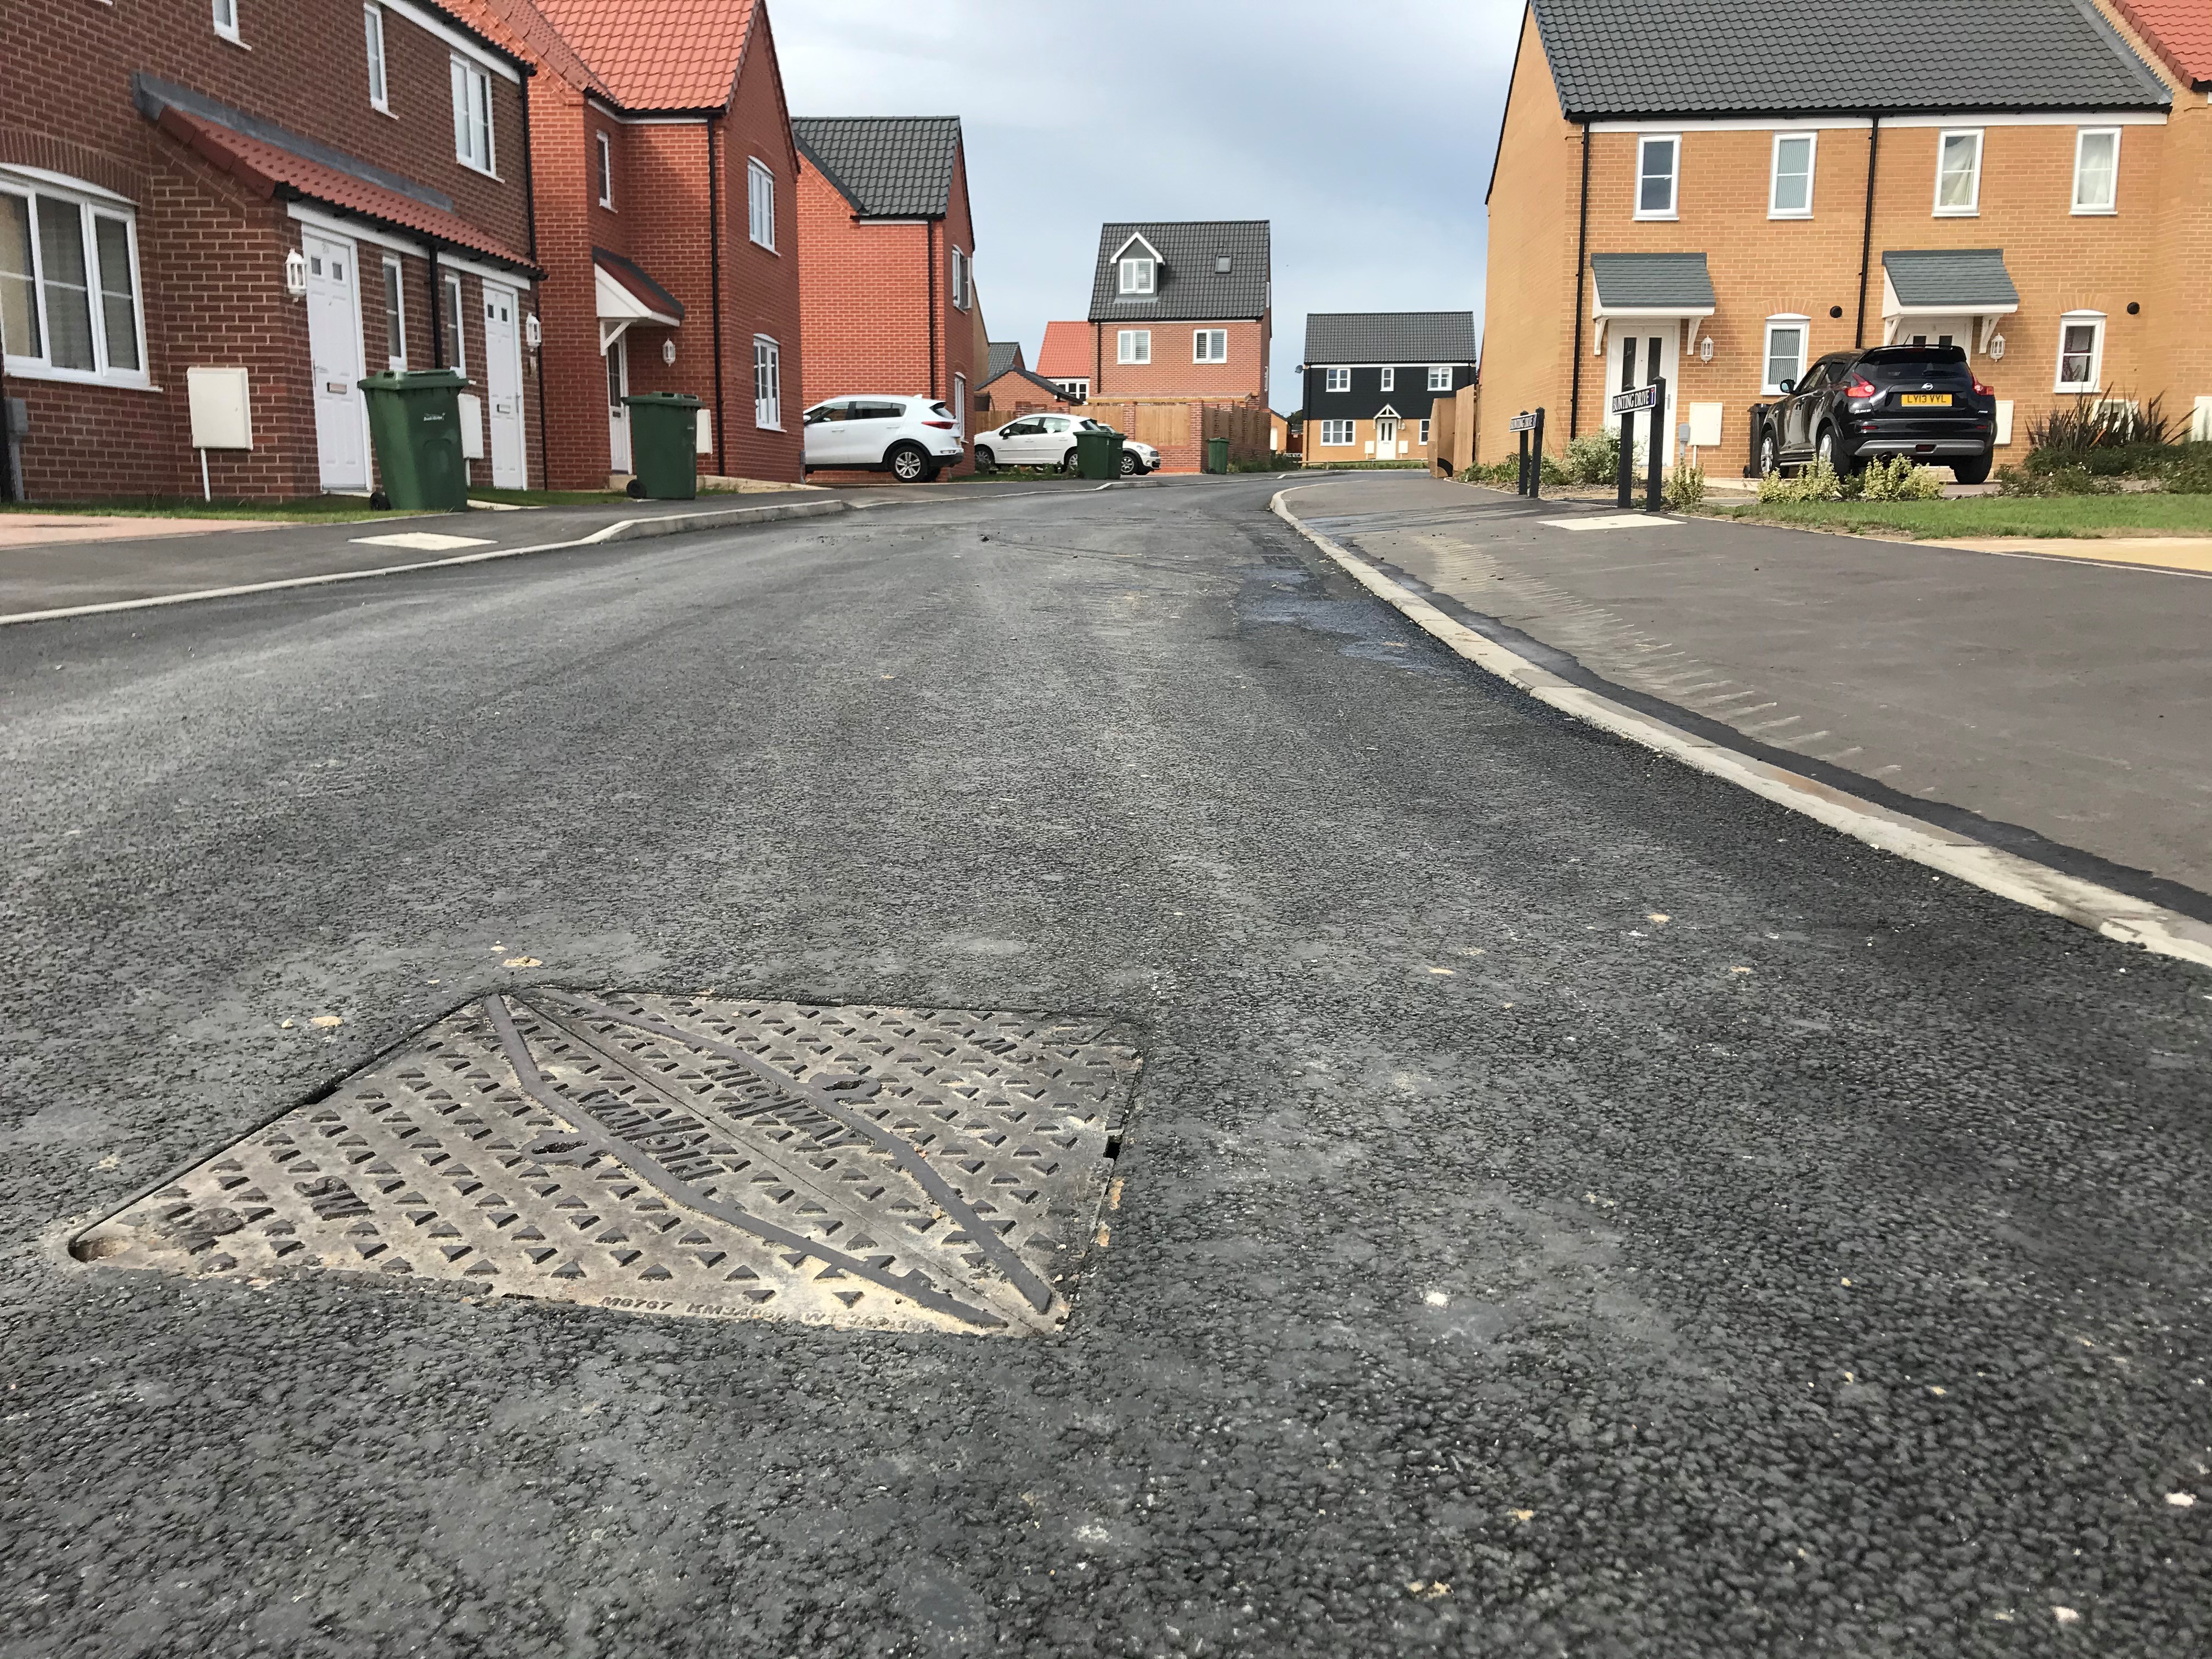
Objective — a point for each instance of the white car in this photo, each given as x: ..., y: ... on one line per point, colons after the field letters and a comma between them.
x: 1049, y: 441
x: 909, y: 438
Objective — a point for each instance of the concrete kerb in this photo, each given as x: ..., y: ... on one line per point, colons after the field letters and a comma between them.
x: 2114, y: 914
x: 625, y: 530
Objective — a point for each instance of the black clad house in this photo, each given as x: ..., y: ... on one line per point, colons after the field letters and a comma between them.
x: 1370, y: 377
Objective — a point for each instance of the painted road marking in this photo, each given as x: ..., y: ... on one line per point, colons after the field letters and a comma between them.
x: 1609, y: 521
x: 422, y: 541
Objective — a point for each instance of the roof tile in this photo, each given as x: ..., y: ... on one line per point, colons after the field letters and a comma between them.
x: 1066, y: 353
x: 888, y: 166
x: 1192, y: 287
x: 2179, y: 31
x: 1390, y: 336
x: 658, y: 54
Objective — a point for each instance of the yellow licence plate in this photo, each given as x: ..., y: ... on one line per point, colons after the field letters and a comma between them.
x: 1926, y: 400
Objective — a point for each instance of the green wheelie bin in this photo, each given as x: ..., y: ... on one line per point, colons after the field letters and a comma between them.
x: 1098, y: 453
x: 664, y: 446
x: 415, y: 426
x: 1217, y: 454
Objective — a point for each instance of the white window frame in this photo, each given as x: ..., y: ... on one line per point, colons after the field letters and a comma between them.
x: 467, y: 76
x: 1338, y: 433
x: 226, y: 20
x: 380, y: 83
x: 603, y: 151
x: 959, y: 279
x: 1137, y: 275
x: 959, y: 405
x: 1424, y: 435
x: 1973, y: 207
x: 1389, y: 379
x: 1673, y: 177
x: 1440, y: 377
x: 2081, y: 136
x: 2093, y: 320
x: 760, y: 203
x: 395, y: 303
x: 1336, y: 380
x: 1790, y: 136
x: 1129, y: 342
x: 452, y: 320
x: 1201, y: 342
x: 91, y: 209
x: 1769, y: 383
x: 768, y: 404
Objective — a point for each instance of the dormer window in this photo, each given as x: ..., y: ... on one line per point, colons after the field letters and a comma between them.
x: 1137, y: 268
x: 1136, y: 274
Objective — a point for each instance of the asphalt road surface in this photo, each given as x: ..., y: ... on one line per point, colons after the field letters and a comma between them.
x: 1571, y: 1207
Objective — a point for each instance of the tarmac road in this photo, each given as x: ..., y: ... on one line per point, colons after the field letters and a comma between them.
x: 1571, y: 1207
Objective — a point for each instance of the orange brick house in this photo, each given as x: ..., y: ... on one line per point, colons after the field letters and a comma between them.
x: 241, y: 211
x: 1722, y: 190
x: 1065, y: 358
x: 667, y: 221
x: 887, y: 249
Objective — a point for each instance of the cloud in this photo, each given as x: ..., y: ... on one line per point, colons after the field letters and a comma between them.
x: 1365, y: 133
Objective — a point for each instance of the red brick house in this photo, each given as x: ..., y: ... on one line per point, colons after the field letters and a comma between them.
x: 1011, y: 388
x: 887, y: 254
x: 1065, y: 358
x: 667, y: 224
x: 246, y: 206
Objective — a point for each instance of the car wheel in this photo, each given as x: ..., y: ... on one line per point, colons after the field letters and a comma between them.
x: 1131, y: 466
x: 985, y: 461
x: 1976, y: 470
x: 1770, y: 454
x: 909, y: 463
x: 1071, y: 463
x: 1825, y: 447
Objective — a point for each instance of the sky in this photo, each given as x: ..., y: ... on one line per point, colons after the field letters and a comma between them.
x: 1363, y: 131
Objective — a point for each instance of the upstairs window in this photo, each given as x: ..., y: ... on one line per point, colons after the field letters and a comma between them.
x: 226, y: 20
x: 1136, y: 275
x: 1134, y: 346
x: 2097, y: 170
x: 1790, y: 194
x: 1209, y: 346
x: 1336, y: 380
x: 472, y: 115
x: 1389, y: 379
x: 760, y: 203
x: 1658, y: 162
x: 603, y: 153
x: 69, y: 288
x: 1440, y: 378
x: 1959, y: 174
x: 380, y: 96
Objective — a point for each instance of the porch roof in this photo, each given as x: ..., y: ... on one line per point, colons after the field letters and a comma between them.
x: 627, y: 294
x: 1950, y: 279
x: 1664, y: 284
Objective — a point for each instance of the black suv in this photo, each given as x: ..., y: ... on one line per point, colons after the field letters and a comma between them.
x: 1853, y: 407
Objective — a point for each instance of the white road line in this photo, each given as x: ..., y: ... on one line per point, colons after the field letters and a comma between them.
x: 2103, y: 909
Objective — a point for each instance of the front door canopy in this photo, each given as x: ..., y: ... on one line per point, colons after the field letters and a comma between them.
x: 1966, y: 282
x: 626, y: 295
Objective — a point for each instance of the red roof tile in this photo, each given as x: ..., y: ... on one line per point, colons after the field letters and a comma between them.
x: 265, y: 168
x: 658, y: 54
x: 2179, y: 31
x: 1066, y: 353
x: 523, y: 29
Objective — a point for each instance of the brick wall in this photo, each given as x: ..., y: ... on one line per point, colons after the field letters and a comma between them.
x: 1172, y: 374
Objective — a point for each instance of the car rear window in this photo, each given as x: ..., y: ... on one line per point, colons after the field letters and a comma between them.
x: 1898, y: 365
x: 941, y: 412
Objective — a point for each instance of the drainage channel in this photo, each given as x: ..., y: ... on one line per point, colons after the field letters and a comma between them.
x: 885, y: 1168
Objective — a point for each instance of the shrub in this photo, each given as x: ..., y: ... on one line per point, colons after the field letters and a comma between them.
x: 1898, y: 479
x: 2189, y: 470
x: 2067, y: 435
x: 1498, y: 475
x: 1686, y: 488
x: 2058, y: 481
x: 1816, y: 482
x: 1593, y: 458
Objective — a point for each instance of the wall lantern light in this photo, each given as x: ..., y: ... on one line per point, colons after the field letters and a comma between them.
x: 1706, y: 349
x: 531, y: 332
x: 668, y: 352
x: 295, y: 274
x: 1995, y: 348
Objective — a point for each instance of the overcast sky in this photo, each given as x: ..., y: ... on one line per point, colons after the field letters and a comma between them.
x: 1362, y: 131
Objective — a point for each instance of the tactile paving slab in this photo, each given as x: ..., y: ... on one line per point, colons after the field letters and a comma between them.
x: 895, y: 1168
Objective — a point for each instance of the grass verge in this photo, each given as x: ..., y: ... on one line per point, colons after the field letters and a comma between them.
x: 2148, y: 514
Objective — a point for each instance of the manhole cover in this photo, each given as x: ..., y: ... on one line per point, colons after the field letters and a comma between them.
x: 907, y: 1169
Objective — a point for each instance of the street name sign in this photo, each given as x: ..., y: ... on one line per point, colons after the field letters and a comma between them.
x: 1627, y: 403
x: 1522, y: 423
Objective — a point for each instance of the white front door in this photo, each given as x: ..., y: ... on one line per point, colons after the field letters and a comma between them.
x: 618, y: 415
x: 1938, y: 330
x: 1386, y: 439
x: 503, y: 387
x: 1634, y: 361
x: 334, y: 350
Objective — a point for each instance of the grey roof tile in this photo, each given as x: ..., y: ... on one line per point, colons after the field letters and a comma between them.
x: 888, y: 166
x: 1652, y: 281
x: 1691, y: 57
x: 1005, y: 355
x: 1390, y: 336
x: 1950, y: 277
x: 1019, y: 377
x: 1191, y: 287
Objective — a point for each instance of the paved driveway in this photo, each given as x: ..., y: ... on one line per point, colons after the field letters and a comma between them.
x: 2071, y: 700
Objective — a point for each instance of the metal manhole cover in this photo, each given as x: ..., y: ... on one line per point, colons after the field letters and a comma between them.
x: 895, y: 1168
